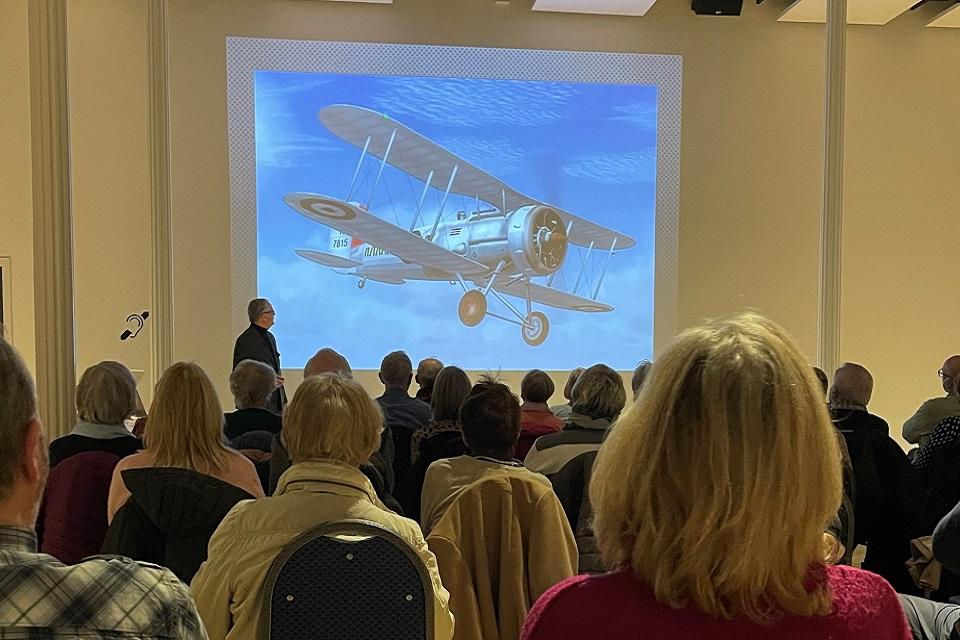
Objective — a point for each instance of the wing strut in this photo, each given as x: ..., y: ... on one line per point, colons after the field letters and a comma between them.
x: 603, y: 271
x: 383, y: 163
x: 356, y: 172
x: 554, y: 274
x: 493, y: 277
x: 426, y: 187
x: 443, y: 203
x: 583, y: 269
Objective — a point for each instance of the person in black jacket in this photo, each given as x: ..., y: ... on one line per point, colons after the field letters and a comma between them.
x: 257, y: 343
x: 252, y: 384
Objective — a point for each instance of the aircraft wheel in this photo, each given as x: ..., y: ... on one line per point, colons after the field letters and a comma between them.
x: 362, y: 283
x: 535, y: 329
x: 472, y: 308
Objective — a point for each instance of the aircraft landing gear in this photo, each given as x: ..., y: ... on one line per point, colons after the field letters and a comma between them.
x: 472, y: 308
x: 535, y: 328
x: 362, y: 283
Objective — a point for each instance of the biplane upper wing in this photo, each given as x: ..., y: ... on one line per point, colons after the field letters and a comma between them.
x: 354, y: 221
x: 418, y: 156
x: 551, y: 297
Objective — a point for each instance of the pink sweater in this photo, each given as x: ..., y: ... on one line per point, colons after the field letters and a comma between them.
x: 617, y: 606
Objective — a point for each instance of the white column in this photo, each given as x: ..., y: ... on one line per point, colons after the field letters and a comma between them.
x: 52, y: 215
x: 828, y: 326
x: 161, y: 295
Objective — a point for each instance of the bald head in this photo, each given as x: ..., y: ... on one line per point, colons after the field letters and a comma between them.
x: 427, y: 371
x: 950, y: 374
x: 852, y: 386
x: 327, y: 361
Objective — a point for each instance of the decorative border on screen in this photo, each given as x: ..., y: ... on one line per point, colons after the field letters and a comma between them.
x: 247, y: 55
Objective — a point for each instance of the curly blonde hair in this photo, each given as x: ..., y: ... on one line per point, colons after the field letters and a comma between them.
x: 715, y: 487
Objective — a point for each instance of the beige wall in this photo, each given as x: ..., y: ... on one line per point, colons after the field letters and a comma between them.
x: 750, y: 170
x: 16, y: 199
x: 107, y: 43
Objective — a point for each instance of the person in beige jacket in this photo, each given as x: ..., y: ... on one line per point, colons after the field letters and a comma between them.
x: 330, y: 427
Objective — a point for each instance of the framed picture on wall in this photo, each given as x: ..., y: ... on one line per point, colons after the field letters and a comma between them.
x: 6, y: 315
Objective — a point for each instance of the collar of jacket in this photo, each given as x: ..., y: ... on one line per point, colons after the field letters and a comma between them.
x: 100, y: 431
x: 575, y: 420
x: 325, y: 476
x: 17, y: 539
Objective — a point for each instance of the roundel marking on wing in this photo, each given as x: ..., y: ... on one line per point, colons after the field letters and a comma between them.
x: 328, y: 208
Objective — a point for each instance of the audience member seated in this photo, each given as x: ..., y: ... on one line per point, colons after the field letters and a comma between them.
x: 562, y: 411
x: 536, y: 418
x: 849, y: 396
x: 377, y: 469
x: 941, y: 443
x: 441, y: 439
x: 331, y: 426
x: 42, y: 598
x: 252, y: 384
x: 166, y: 501
x: 919, y: 427
x: 73, y: 515
x: 106, y: 396
x: 403, y: 414
x: 598, y: 398
x: 698, y: 512
x: 822, y: 377
x: 490, y: 422
x: 498, y: 532
x: 427, y: 372
x: 639, y: 377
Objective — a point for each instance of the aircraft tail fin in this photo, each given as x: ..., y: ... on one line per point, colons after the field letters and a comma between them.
x: 340, y: 243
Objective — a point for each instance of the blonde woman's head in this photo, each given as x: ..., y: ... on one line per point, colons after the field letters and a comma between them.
x: 716, y: 486
x: 106, y: 394
x: 332, y: 417
x: 185, y: 426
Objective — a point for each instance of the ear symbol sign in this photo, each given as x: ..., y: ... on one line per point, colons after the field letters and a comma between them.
x: 137, y: 319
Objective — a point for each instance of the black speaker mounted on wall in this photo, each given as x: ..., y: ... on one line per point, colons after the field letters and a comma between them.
x: 717, y: 7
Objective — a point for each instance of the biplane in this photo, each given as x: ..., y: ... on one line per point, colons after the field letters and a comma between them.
x: 496, y: 250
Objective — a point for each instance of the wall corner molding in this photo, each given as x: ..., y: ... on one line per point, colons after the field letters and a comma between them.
x: 161, y: 290
x: 52, y: 215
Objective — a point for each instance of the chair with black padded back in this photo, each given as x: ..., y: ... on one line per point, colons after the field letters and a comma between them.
x: 347, y: 579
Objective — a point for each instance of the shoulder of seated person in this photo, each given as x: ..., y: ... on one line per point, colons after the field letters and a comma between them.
x: 134, y: 461
x: 129, y: 563
x: 856, y: 589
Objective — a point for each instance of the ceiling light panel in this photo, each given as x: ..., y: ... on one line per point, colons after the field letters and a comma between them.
x: 605, y: 7
x: 949, y: 18
x: 875, y: 12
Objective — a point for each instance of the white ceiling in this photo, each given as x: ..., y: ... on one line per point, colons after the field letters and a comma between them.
x: 858, y: 11
x: 607, y: 7
x: 949, y: 18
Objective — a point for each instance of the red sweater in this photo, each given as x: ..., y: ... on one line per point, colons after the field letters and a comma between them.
x: 617, y: 606
x: 535, y: 423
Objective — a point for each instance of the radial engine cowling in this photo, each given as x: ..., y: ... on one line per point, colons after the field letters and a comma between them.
x: 537, y: 239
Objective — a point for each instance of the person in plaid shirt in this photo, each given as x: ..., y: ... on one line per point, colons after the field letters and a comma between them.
x: 40, y: 597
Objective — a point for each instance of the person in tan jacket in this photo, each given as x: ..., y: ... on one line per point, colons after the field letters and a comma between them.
x: 330, y: 427
x: 499, y: 533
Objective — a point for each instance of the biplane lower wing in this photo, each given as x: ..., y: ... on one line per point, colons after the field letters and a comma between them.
x: 327, y: 260
x: 354, y: 221
x: 551, y: 297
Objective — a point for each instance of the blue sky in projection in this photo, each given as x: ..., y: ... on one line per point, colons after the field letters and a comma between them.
x: 587, y: 148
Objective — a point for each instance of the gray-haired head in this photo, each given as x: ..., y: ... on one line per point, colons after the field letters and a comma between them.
x: 106, y: 394
x: 18, y: 406
x: 571, y: 382
x: 257, y: 307
x: 252, y: 383
x: 427, y: 371
x: 599, y: 393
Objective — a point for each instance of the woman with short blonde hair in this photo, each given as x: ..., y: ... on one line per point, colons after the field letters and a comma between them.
x: 332, y: 417
x: 711, y: 495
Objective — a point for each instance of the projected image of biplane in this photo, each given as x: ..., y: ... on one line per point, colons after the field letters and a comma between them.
x: 507, y: 246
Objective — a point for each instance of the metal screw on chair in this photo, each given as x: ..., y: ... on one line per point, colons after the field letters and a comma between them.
x: 409, y: 598
x: 349, y: 556
x: 290, y: 598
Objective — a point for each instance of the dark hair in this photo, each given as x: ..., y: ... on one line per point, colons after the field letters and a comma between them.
x: 451, y: 386
x: 536, y: 386
x: 571, y: 383
x: 599, y: 393
x: 639, y: 375
x: 396, y: 369
x: 490, y: 417
x: 18, y: 406
x: 822, y: 377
